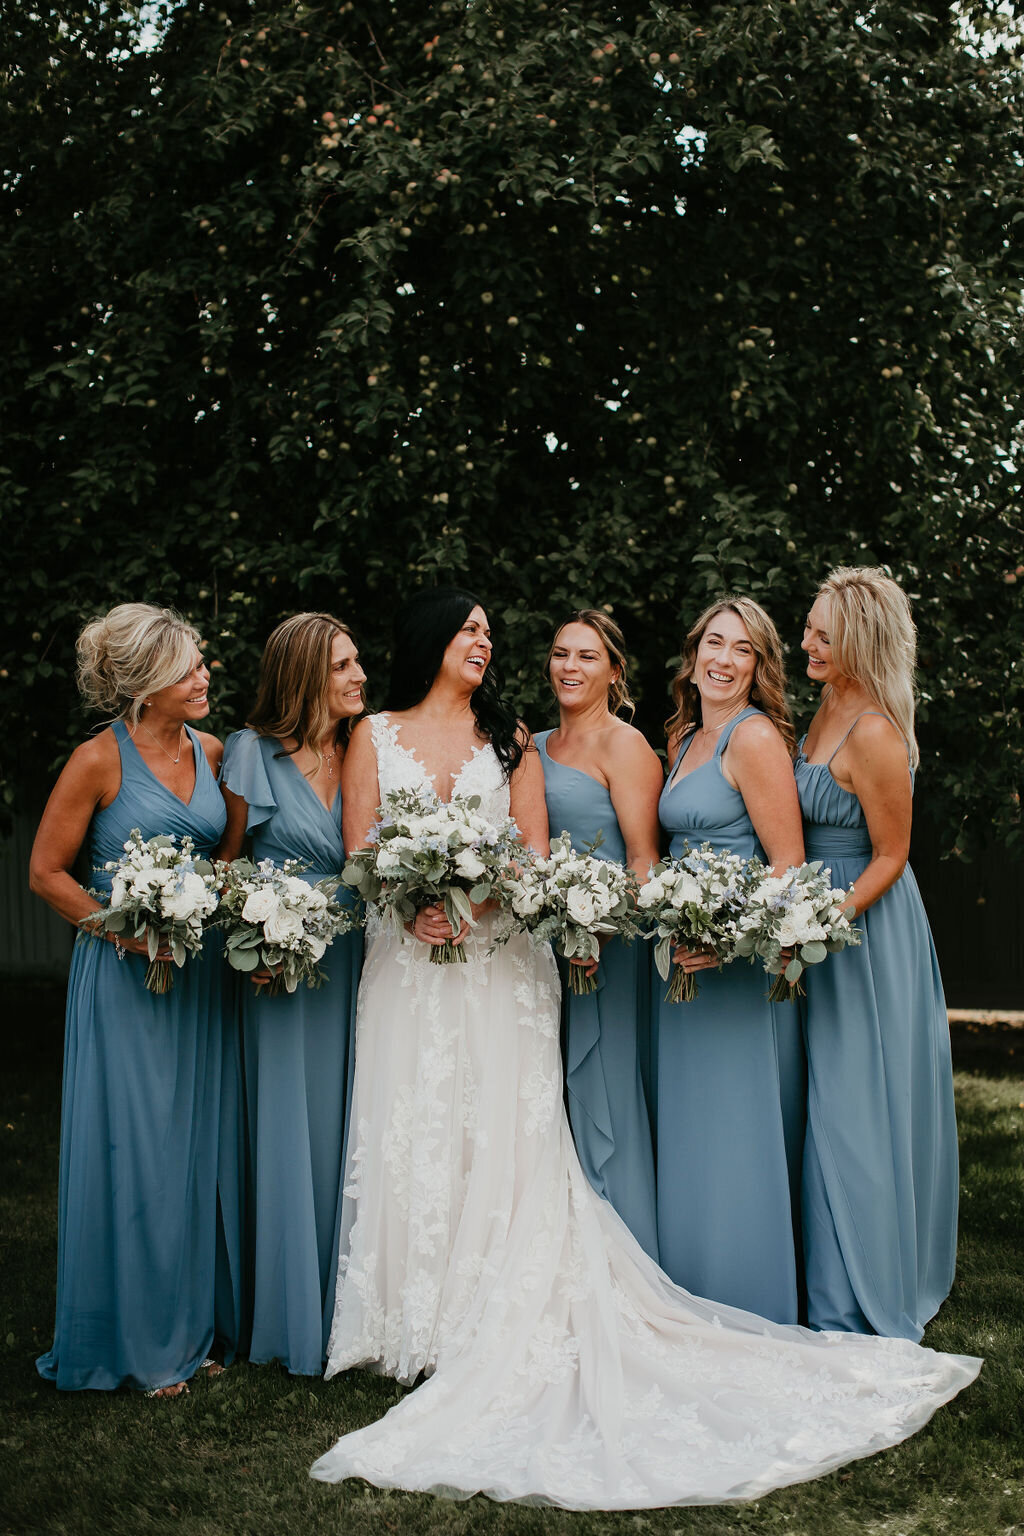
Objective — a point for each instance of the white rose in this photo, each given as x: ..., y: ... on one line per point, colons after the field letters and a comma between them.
x: 580, y: 906
x: 178, y: 905
x: 387, y: 862
x: 295, y: 887
x: 801, y: 917
x: 316, y: 901
x: 527, y: 900
x: 259, y: 906
x: 118, y: 890
x: 315, y: 945
x: 787, y: 934
x: 685, y: 888
x: 469, y: 865
x: 283, y: 926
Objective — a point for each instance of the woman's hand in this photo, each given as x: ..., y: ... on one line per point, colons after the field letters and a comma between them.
x: 588, y: 967
x: 138, y: 946
x: 431, y: 926
x: 699, y: 959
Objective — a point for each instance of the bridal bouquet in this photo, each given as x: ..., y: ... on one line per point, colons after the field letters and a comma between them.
x: 697, y: 900
x: 277, y: 922
x: 424, y: 851
x: 161, y: 893
x: 798, y: 911
x: 572, y: 899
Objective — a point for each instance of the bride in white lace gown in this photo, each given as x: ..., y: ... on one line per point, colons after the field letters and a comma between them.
x: 562, y: 1365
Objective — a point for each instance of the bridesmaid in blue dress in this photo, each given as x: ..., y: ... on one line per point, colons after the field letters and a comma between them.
x: 880, y: 1168
x: 731, y: 1075
x: 601, y: 778
x: 149, y: 1223
x: 281, y: 783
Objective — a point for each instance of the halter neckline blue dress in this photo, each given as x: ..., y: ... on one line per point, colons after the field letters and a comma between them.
x: 606, y: 1031
x: 731, y: 1094
x: 880, y: 1185
x: 149, y: 1246
x: 298, y: 1076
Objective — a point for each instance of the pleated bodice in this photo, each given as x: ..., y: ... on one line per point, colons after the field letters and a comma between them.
x: 287, y: 819
x: 703, y: 807
x: 143, y: 802
x: 580, y: 805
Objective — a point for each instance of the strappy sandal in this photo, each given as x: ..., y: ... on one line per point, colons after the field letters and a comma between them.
x: 175, y: 1389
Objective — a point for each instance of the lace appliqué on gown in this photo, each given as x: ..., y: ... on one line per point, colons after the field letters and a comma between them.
x: 563, y: 1365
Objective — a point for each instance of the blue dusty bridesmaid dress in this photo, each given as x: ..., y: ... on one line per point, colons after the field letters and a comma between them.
x: 731, y: 1095
x: 149, y: 1210
x: 606, y: 1031
x: 880, y: 1164
x: 298, y: 1074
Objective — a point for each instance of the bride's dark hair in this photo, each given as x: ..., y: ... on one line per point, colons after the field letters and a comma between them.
x: 424, y: 628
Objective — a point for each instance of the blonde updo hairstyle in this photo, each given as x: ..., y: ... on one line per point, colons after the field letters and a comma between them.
x: 295, y: 675
x: 873, y: 641
x: 768, y: 689
x: 612, y: 639
x: 131, y: 652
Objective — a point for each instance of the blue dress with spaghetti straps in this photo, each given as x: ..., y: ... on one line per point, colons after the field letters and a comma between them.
x: 298, y: 1076
x: 149, y: 1239
x: 731, y: 1093
x: 880, y: 1165
x: 606, y: 1031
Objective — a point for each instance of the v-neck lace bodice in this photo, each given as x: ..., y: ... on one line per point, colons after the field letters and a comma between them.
x: 398, y: 767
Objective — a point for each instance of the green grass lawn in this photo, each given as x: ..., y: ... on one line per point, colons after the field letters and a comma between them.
x: 233, y: 1456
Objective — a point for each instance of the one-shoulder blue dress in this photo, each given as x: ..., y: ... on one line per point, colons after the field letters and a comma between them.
x: 298, y: 1076
x: 731, y: 1095
x: 606, y: 1030
x: 880, y: 1165
x: 148, y: 1211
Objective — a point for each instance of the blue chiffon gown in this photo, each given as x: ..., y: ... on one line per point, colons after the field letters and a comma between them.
x: 731, y: 1095
x: 298, y: 1077
x: 606, y: 1031
x: 880, y: 1165
x: 149, y: 1244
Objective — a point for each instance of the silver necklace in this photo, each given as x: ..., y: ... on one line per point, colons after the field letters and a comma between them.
x: 181, y: 732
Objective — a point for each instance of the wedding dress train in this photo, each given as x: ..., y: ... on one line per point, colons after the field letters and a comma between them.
x: 562, y: 1365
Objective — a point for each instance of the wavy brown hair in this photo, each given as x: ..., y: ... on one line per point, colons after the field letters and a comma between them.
x: 295, y: 672
x: 611, y: 637
x: 767, y: 691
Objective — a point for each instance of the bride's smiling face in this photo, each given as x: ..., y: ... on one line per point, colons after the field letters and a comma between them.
x: 468, y: 654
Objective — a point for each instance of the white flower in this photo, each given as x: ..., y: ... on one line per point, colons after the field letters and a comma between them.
x: 117, y: 891
x: 293, y: 886
x: 387, y: 862
x: 469, y: 865
x: 580, y: 906
x: 684, y: 889
x: 282, y: 926
x: 527, y: 900
x: 315, y: 945
x: 260, y: 905
x: 316, y: 901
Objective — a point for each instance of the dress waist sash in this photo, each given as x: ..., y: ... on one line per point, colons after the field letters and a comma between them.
x: 837, y: 843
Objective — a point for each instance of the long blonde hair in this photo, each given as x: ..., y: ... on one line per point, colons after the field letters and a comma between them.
x: 295, y: 672
x: 132, y: 651
x: 768, y: 689
x: 873, y: 641
x: 612, y: 639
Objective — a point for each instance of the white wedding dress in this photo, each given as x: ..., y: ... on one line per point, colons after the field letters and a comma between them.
x: 562, y: 1365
